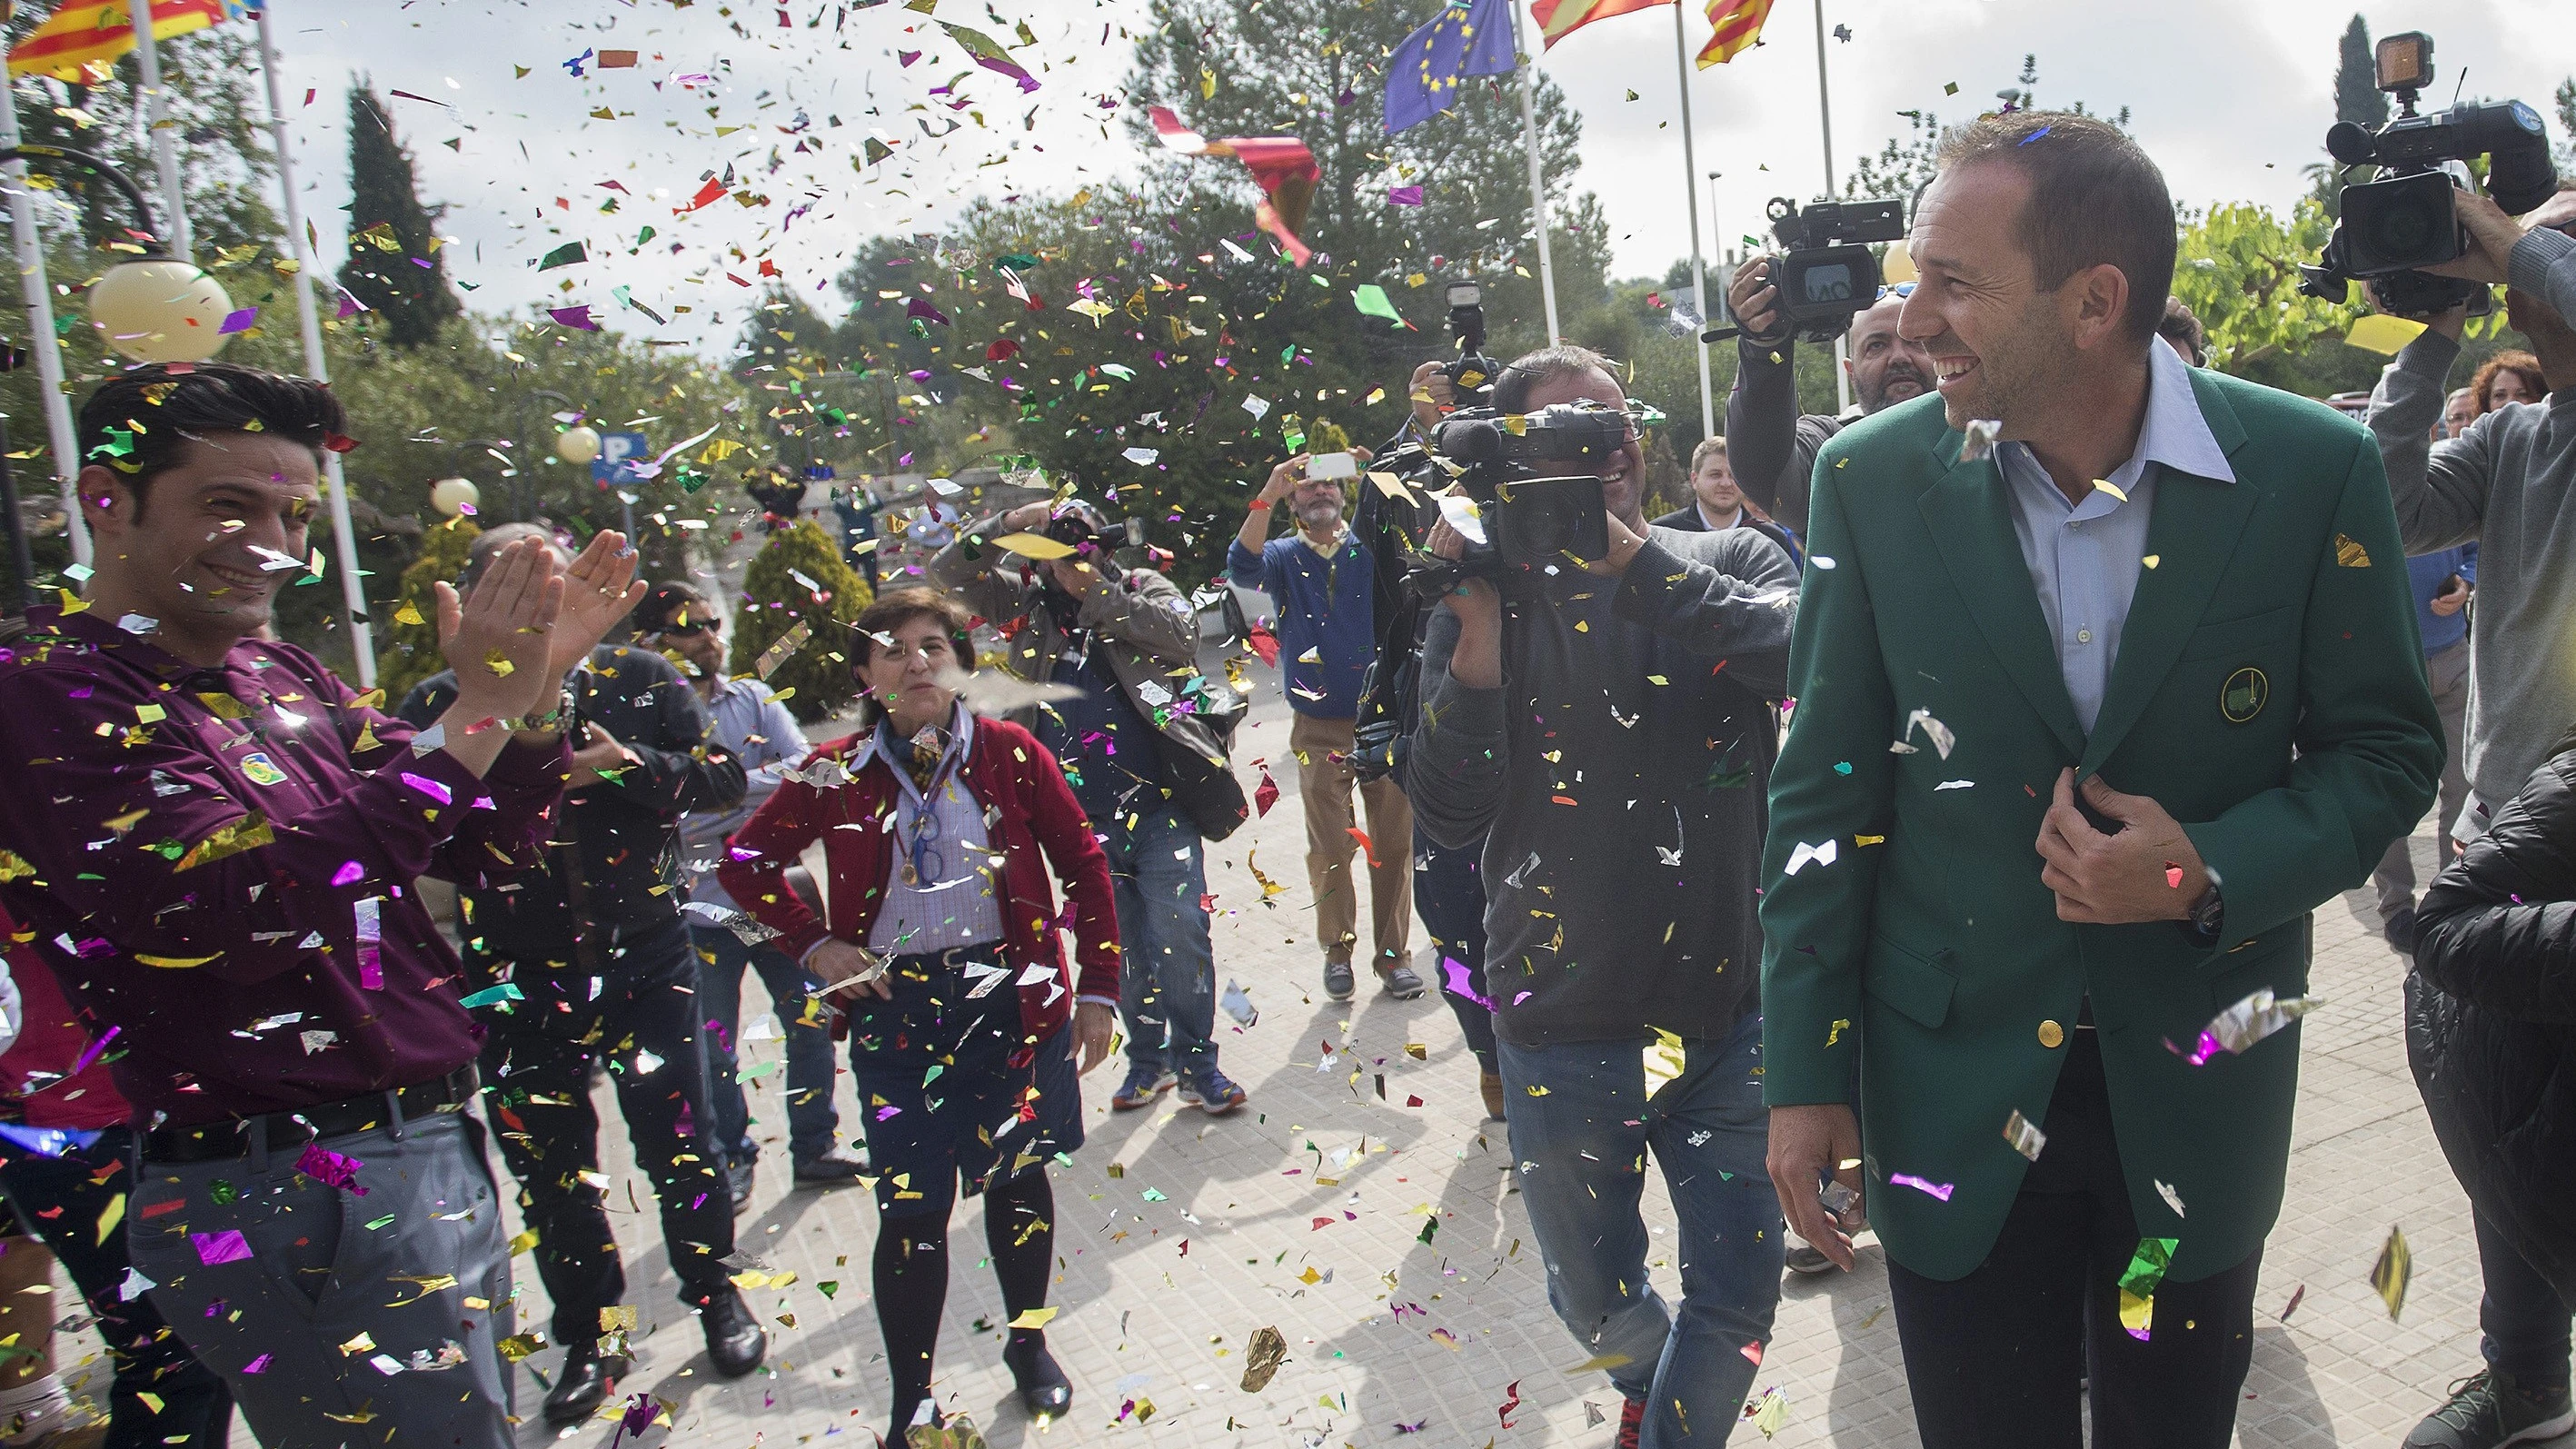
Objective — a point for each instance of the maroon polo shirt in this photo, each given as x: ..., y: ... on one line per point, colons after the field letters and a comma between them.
x: 195, y: 850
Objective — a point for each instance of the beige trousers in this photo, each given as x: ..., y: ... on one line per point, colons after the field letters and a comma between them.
x: 1324, y: 783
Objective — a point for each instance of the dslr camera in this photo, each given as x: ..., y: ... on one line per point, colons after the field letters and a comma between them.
x: 1527, y: 521
x: 2404, y: 221
x: 1471, y: 377
x: 1828, y: 274
x: 1079, y: 524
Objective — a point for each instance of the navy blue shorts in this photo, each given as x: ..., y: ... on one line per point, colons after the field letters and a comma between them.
x: 949, y: 1086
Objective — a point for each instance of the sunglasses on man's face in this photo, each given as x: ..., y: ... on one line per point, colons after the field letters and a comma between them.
x: 682, y: 630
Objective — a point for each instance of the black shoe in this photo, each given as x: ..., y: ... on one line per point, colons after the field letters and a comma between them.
x: 2400, y: 931
x: 734, y: 1339
x: 738, y: 1176
x: 581, y: 1385
x: 1044, y: 1390
x: 838, y: 1165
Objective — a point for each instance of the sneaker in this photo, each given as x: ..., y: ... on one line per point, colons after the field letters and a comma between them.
x: 1337, y: 980
x: 1632, y: 1423
x: 2400, y: 931
x: 738, y: 1179
x: 838, y: 1165
x: 2489, y: 1409
x: 1142, y: 1086
x: 1400, y: 982
x: 1808, y: 1259
x: 1212, y: 1094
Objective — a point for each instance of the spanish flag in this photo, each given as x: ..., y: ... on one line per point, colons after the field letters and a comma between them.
x: 85, y: 37
x: 1738, y: 24
x: 1559, y: 18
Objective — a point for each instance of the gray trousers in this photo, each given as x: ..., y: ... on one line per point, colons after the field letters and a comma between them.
x: 418, y: 1268
x: 2394, y: 880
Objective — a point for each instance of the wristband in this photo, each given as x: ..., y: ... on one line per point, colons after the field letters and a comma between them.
x: 536, y: 722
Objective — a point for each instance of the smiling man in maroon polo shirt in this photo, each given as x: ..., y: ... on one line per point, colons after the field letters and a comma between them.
x: 214, y: 843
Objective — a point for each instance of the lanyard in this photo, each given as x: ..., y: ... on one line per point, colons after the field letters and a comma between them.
x: 916, y: 869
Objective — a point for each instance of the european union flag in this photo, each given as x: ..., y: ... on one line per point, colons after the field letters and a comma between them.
x: 1468, y: 37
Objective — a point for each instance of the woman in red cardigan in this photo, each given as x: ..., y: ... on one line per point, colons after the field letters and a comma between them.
x: 938, y: 829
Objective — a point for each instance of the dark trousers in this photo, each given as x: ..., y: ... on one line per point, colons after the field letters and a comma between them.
x: 1995, y: 1359
x: 2523, y: 1322
x: 1449, y: 895
x: 536, y: 1075
x: 60, y: 1200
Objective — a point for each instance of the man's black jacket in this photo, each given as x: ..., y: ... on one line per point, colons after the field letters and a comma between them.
x: 614, y: 862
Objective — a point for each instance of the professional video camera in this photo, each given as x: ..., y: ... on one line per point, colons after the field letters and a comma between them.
x: 1079, y: 524
x: 1827, y: 275
x: 2403, y: 222
x: 1471, y: 377
x: 1526, y: 521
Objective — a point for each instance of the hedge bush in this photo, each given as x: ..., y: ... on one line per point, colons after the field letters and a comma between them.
x: 774, y: 601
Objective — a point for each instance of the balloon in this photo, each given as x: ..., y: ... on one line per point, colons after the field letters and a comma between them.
x: 161, y: 311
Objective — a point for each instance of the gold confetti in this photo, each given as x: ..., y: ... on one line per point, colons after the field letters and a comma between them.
x: 2390, y: 1273
x: 2349, y: 553
x: 1269, y: 1350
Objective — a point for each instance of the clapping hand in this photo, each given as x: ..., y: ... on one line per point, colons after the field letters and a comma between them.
x: 498, y: 639
x: 599, y: 589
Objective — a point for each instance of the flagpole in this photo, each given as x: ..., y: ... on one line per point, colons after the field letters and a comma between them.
x: 165, y: 140
x: 1825, y: 116
x: 40, y: 328
x: 1699, y: 267
x: 1537, y: 179
x: 362, y: 644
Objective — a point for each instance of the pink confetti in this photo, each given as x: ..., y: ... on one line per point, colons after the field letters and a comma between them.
x: 241, y: 321
x: 227, y: 1246
x: 330, y: 1168
x: 1941, y: 1190
x: 1455, y: 980
x: 1404, y: 196
x: 349, y: 874
x: 577, y: 318
x: 258, y: 1365
x: 432, y: 788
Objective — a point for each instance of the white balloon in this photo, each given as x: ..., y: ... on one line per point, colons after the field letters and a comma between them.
x: 577, y: 445
x: 161, y: 311
x: 451, y: 496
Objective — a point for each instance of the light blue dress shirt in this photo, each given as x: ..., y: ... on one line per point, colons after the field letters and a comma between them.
x: 2084, y: 558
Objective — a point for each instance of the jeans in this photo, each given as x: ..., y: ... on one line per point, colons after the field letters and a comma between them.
x: 1449, y: 895
x: 536, y: 1086
x: 430, y: 1286
x: 2394, y: 880
x: 1167, y: 968
x: 60, y: 1200
x: 1581, y: 1148
x: 811, y: 1120
x: 2524, y: 1324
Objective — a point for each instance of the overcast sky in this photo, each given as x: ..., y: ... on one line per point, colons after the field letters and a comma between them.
x: 2231, y: 96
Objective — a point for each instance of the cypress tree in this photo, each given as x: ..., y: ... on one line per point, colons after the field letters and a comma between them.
x: 391, y: 266
x: 2357, y: 98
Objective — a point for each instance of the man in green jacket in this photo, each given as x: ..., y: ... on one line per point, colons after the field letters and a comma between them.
x: 2106, y: 675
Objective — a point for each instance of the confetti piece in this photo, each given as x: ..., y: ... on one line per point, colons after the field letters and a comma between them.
x: 1269, y: 1349
x: 2297, y: 1296
x: 1820, y: 854
x: 227, y: 1246
x: 2390, y: 1274
x: 2349, y: 553
x: 2025, y: 1137
x: 1035, y: 545
x: 330, y: 1168
x: 1035, y: 1318
x: 1977, y: 439
x: 1941, y: 1190
x: 2240, y: 1026
x: 1665, y: 1058
x: 2172, y: 1198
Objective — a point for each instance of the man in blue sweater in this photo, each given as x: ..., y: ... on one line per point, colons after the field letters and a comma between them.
x: 1318, y: 579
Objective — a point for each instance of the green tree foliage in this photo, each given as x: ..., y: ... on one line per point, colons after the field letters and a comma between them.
x: 407, y: 635
x: 2358, y: 98
x: 830, y: 594
x: 2237, y: 269
x: 394, y: 265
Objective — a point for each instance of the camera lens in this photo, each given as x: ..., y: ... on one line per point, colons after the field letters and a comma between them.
x: 1828, y: 284
x: 2403, y: 230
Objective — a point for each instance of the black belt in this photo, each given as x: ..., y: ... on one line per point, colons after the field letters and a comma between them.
x: 296, y: 1126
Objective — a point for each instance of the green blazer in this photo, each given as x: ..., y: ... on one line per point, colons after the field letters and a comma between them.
x: 2269, y: 692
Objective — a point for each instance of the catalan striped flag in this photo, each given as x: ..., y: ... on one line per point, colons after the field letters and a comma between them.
x: 1559, y: 18
x: 80, y: 41
x: 1737, y: 23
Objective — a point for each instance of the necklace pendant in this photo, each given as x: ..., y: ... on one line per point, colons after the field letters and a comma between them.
x: 911, y: 877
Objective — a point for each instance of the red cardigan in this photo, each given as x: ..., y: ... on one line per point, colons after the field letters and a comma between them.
x: 1028, y: 807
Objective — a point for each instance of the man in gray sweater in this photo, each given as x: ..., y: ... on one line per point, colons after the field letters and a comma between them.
x: 2508, y: 484
x: 1608, y: 732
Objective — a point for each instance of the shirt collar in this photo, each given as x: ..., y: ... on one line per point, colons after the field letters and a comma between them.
x: 2175, y: 434
x: 85, y: 627
x: 961, y: 739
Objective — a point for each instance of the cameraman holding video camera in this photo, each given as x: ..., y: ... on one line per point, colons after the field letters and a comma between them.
x: 1148, y: 766
x: 1773, y: 446
x: 1605, y: 725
